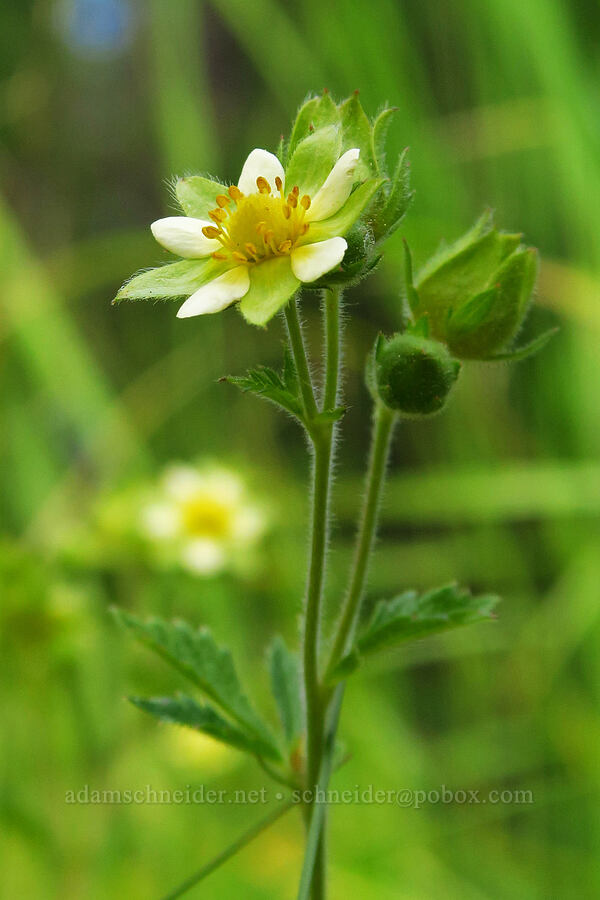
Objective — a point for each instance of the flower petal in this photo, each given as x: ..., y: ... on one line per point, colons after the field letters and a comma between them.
x: 260, y: 162
x: 272, y: 283
x: 217, y: 294
x: 337, y: 187
x: 183, y: 236
x: 203, y: 556
x: 313, y: 260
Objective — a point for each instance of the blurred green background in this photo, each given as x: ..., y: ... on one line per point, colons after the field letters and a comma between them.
x: 101, y: 103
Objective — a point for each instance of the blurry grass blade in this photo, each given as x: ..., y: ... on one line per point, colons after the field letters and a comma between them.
x: 183, y: 710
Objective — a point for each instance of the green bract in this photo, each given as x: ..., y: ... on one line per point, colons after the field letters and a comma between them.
x: 476, y: 292
x: 312, y: 215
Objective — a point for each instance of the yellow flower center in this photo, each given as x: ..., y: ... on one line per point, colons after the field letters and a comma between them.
x: 255, y: 227
x: 205, y: 516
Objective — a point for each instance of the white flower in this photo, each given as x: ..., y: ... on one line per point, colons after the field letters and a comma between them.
x: 205, y: 515
x: 262, y: 237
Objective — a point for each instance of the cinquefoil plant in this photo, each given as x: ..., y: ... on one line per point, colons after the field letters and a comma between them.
x: 315, y: 214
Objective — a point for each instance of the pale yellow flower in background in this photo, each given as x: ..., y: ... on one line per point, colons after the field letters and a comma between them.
x: 205, y: 515
x: 191, y: 750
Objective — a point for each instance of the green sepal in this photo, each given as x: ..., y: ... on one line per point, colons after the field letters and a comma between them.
x: 380, y: 130
x: 280, y: 389
x: 315, y: 113
x: 313, y: 159
x: 170, y: 282
x: 284, y: 670
x: 184, y: 710
x: 410, y: 617
x: 526, y: 350
x: 357, y: 131
x: 197, y: 195
x: 420, y: 328
x: 393, y: 203
x: 272, y: 283
x: 341, y: 222
x: 194, y: 653
x: 411, y: 293
x: 493, y: 318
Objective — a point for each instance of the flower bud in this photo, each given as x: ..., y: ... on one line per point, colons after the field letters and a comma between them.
x: 476, y: 292
x: 411, y: 374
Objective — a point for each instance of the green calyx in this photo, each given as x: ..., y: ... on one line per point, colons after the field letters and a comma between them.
x: 476, y: 292
x: 412, y: 374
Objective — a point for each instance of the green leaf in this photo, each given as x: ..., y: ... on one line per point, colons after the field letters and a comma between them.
x: 526, y: 350
x: 357, y: 131
x: 345, y: 218
x: 197, y: 195
x: 284, y: 669
x: 270, y: 385
x: 315, y: 113
x: 313, y: 159
x: 195, y: 654
x: 173, y: 281
x: 184, y: 710
x: 272, y: 283
x: 410, y: 617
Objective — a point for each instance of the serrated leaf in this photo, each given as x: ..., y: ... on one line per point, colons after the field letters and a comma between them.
x: 284, y: 668
x: 170, y: 282
x: 184, y: 710
x: 197, y: 195
x: 411, y: 617
x: 313, y: 159
x: 526, y: 350
x: 194, y: 653
x: 270, y: 385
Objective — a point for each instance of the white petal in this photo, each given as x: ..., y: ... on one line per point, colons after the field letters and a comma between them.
x: 181, y: 482
x: 336, y: 188
x: 260, y: 162
x: 313, y: 260
x: 183, y: 235
x: 203, y: 556
x: 217, y: 294
x: 160, y: 521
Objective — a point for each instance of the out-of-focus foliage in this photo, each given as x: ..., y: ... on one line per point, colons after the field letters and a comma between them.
x: 100, y: 103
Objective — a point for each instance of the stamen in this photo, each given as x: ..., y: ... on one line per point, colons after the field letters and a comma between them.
x: 296, y: 190
x: 210, y: 231
x: 260, y: 226
x: 263, y: 185
x: 222, y: 200
x: 240, y: 256
x: 251, y: 249
x: 285, y: 247
x: 304, y: 228
x: 218, y: 215
x: 235, y: 193
x: 292, y: 200
x: 305, y: 202
x: 279, y: 184
x: 286, y: 212
x: 217, y: 255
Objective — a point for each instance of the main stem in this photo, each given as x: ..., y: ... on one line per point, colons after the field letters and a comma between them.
x: 321, y: 434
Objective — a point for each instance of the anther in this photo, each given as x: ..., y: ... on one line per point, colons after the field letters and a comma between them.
x: 304, y: 228
x: 210, y: 231
x: 286, y: 212
x: 222, y: 200
x: 305, y: 201
x: 235, y: 193
x: 240, y: 256
x: 278, y: 183
x: 296, y: 190
x: 251, y: 249
x: 218, y: 215
x: 285, y: 247
x: 292, y: 200
x: 217, y: 255
x: 263, y: 185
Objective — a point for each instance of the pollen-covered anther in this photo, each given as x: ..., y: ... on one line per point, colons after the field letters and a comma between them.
x: 239, y: 257
x: 292, y: 200
x: 210, y: 231
x: 251, y: 249
x: 221, y: 256
x: 279, y: 184
x: 305, y: 201
x: 285, y: 247
x: 287, y: 211
x: 223, y: 201
x: 263, y: 185
x: 218, y: 215
x: 235, y: 193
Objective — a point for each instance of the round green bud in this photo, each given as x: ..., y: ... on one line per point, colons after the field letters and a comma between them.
x: 414, y: 375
